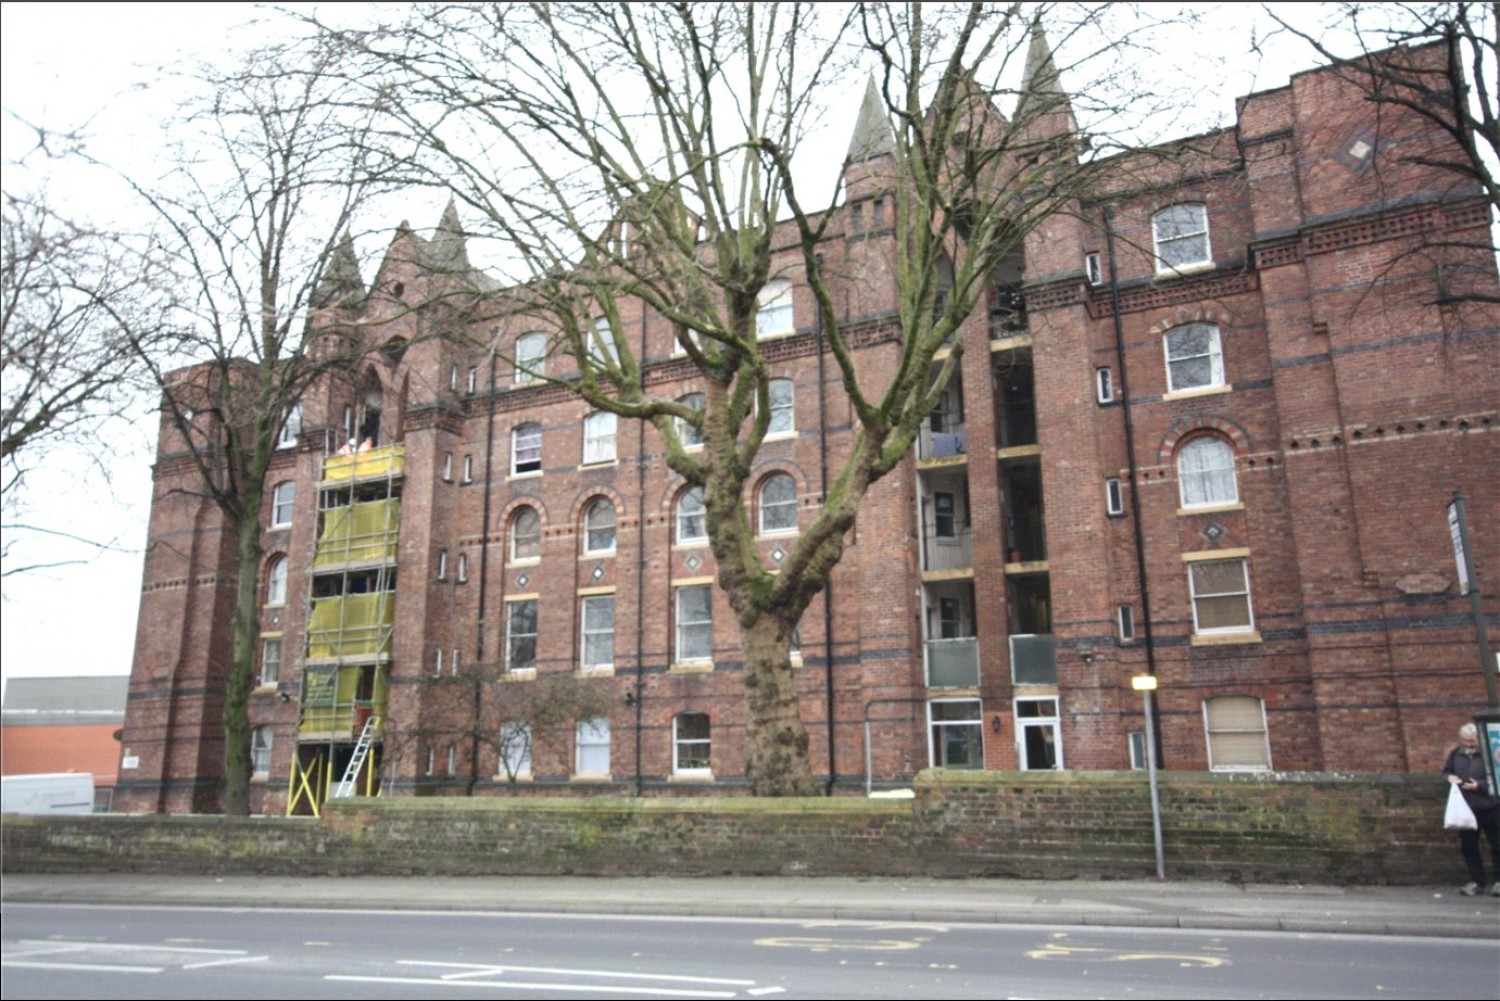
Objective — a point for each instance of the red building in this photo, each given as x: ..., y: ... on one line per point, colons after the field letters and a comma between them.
x: 1206, y: 428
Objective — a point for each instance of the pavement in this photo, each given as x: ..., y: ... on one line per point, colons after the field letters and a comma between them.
x: 1364, y: 910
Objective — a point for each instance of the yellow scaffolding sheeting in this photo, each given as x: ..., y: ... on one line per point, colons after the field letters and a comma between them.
x: 331, y: 701
x: 389, y: 460
x: 353, y: 625
x: 359, y: 532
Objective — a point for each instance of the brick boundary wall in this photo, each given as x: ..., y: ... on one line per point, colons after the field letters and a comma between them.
x: 1310, y: 828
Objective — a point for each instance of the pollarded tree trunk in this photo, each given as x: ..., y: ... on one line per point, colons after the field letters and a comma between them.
x: 776, y: 762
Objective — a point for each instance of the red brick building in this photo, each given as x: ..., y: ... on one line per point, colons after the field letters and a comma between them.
x: 1206, y: 428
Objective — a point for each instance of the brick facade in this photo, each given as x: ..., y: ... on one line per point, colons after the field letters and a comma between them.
x: 1304, y: 362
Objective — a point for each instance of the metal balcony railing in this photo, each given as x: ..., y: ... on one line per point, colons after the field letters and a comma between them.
x: 954, y: 551
x: 952, y: 440
x: 953, y: 663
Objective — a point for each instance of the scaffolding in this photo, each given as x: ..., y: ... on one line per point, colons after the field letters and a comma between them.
x: 350, y: 622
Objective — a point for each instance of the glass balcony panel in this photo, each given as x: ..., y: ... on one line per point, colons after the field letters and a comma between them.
x: 1032, y: 659
x: 953, y: 663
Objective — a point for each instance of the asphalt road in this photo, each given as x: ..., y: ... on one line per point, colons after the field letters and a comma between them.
x: 120, y: 952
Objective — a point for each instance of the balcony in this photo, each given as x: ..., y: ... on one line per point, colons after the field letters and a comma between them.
x: 359, y: 533
x: 948, y: 443
x: 375, y: 463
x: 1033, y: 659
x: 351, y: 625
x: 953, y: 551
x: 953, y: 663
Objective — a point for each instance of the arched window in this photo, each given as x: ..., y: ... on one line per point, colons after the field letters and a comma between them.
x: 531, y: 356
x: 1205, y: 473
x: 687, y: 433
x: 778, y: 504
x: 599, y: 527
x: 1236, y: 729
x: 526, y: 449
x: 1180, y: 233
x: 525, y: 535
x: 599, y: 437
x: 1194, y: 358
x: 691, y: 526
x: 773, y: 309
x: 690, y: 744
x: 276, y: 581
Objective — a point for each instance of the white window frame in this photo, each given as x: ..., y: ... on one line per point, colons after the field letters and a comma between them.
x: 515, y: 535
x: 783, y: 422
x: 291, y: 427
x: 261, y: 740
x: 1194, y: 567
x: 684, y: 745
x: 1179, y: 237
x: 599, y: 429
x: 1125, y: 622
x: 452, y: 760
x: 774, y: 315
x: 453, y: 378
x: 1222, y: 728
x: 463, y: 568
x: 1093, y: 268
x: 590, y: 737
x: 531, y: 357
x: 283, y: 503
x: 782, y: 511
x: 1114, y: 497
x: 472, y: 382
x: 468, y: 469
x: 447, y: 467
x: 453, y: 662
x: 594, y: 528
x: 1041, y: 721
x: 1177, y: 355
x: 603, y: 351
x: 1205, y: 473
x: 515, y: 749
x: 442, y: 564
x: 526, y: 440
x: 937, y: 732
x: 437, y: 663
x: 697, y: 633
x: 687, y: 433
x: 1104, y: 384
x: 596, y: 641
x: 691, y: 528
x: 276, y: 578
x: 515, y: 636
x: 270, y: 661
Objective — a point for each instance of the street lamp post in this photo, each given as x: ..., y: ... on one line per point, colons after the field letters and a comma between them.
x: 1146, y: 684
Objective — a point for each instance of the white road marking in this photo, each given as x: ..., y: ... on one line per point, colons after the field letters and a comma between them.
x: 552, y: 986
x: 226, y: 962
x: 87, y: 967
x: 563, y: 971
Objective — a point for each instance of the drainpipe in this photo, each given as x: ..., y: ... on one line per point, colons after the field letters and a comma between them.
x: 636, y: 695
x: 1135, y: 493
x: 484, y: 563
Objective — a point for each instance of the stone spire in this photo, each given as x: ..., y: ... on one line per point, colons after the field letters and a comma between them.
x: 447, y: 251
x: 1041, y: 86
x: 872, y: 129
x: 340, y: 283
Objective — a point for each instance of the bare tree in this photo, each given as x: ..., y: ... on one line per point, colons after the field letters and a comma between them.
x: 644, y: 154
x: 1436, y: 60
x: 75, y: 299
x: 270, y: 172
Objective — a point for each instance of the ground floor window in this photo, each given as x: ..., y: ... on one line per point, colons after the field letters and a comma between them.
x: 957, y: 733
x: 1236, y: 729
x: 592, y: 747
x: 1038, y: 734
x: 515, y: 748
x: 260, y: 750
x: 690, y: 744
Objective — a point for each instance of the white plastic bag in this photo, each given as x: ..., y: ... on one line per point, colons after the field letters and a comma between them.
x: 1458, y: 816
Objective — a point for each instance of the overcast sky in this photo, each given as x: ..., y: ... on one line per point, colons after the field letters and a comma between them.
x: 62, y: 65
